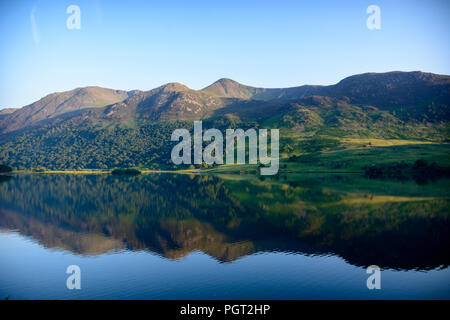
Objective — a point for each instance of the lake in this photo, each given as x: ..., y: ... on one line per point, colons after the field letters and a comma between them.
x: 179, y: 236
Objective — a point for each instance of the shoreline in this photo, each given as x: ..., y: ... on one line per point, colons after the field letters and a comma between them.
x: 176, y: 172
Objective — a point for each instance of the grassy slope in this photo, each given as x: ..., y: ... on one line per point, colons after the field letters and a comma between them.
x: 352, y: 157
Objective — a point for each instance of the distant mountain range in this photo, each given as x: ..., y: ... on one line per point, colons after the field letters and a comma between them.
x: 392, y: 104
x: 411, y: 95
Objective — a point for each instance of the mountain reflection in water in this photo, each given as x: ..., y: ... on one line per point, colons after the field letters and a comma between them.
x: 396, y: 224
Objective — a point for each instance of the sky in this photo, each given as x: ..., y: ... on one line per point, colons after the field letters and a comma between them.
x: 144, y: 44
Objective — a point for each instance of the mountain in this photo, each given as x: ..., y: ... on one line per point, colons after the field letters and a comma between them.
x: 409, y: 95
x: 6, y: 111
x: 415, y: 94
x: 101, y: 128
x: 170, y: 101
x: 227, y: 88
x: 59, y: 104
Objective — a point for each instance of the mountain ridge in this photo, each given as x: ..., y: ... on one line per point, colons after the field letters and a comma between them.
x: 411, y: 95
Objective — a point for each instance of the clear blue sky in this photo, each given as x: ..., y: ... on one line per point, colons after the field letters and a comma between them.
x: 144, y: 44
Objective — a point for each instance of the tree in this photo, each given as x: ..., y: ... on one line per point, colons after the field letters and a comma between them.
x: 4, y: 168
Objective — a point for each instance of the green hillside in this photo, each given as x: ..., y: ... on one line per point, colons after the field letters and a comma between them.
x: 96, y: 128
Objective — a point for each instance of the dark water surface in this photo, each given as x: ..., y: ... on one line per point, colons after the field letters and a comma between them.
x: 223, y: 237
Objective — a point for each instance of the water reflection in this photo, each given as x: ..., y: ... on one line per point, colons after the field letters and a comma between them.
x: 399, y: 225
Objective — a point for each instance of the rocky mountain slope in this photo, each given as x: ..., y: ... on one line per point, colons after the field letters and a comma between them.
x: 60, y: 104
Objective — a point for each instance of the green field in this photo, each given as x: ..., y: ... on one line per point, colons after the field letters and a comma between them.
x: 354, y: 158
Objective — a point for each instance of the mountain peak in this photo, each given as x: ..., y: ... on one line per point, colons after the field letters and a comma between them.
x: 173, y: 86
x: 229, y: 88
x: 227, y: 81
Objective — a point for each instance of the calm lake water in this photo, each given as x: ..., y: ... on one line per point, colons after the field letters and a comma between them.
x: 223, y: 237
